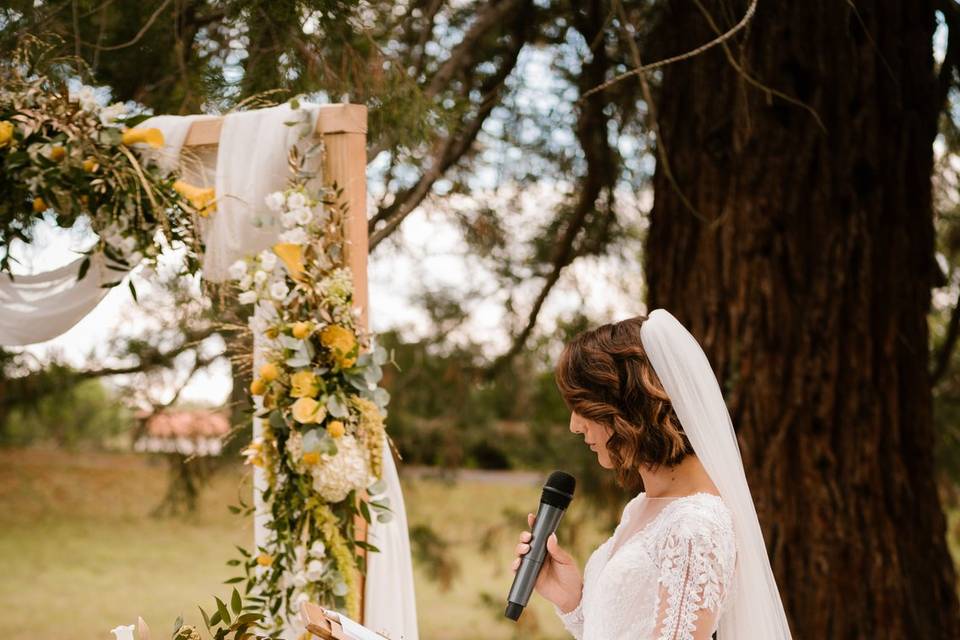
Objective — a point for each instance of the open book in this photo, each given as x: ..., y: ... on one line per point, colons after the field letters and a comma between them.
x: 330, y: 625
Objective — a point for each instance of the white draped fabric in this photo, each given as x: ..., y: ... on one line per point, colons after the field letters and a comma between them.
x: 250, y: 162
x: 389, y: 595
x: 35, y: 308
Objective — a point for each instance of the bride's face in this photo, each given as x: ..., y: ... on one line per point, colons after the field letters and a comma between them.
x: 595, y: 435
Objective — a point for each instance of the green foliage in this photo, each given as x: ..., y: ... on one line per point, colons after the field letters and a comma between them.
x: 83, y: 414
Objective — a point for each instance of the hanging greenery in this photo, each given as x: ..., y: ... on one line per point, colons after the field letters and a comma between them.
x: 66, y: 155
x: 316, y: 389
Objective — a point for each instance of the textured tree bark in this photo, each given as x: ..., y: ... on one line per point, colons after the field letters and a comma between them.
x: 805, y: 272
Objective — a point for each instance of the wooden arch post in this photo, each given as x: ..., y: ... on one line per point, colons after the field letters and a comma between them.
x: 343, y: 128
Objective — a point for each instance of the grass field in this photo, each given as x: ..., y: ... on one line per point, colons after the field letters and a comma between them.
x: 81, y: 554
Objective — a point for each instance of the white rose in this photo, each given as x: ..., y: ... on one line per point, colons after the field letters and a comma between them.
x: 299, y: 599
x: 314, y: 571
x: 278, y: 290
x: 303, y: 215
x: 289, y: 219
x: 247, y: 297
x: 260, y: 277
x: 294, y: 236
x: 296, y: 200
x: 238, y: 269
x: 268, y: 260
x: 274, y: 201
x: 109, y: 115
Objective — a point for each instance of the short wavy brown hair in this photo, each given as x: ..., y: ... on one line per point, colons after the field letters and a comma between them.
x: 604, y: 375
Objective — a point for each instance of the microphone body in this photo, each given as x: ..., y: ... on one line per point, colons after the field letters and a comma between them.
x: 557, y: 494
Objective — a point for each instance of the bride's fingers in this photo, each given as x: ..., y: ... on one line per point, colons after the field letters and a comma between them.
x: 525, y: 536
x: 515, y: 565
x: 522, y: 548
x: 556, y: 552
x: 530, y: 519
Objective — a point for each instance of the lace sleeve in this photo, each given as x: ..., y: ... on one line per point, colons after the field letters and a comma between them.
x: 572, y: 620
x: 696, y: 558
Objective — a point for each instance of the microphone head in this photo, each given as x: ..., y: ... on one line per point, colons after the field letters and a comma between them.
x: 558, y: 491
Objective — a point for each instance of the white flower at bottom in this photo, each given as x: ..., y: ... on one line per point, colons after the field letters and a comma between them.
x: 279, y: 290
x: 123, y: 632
x: 347, y: 470
x: 247, y: 297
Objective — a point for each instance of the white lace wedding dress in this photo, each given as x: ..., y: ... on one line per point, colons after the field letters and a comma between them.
x: 664, y: 574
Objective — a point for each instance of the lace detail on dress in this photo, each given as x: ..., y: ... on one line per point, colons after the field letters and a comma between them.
x: 695, y: 554
x: 666, y: 579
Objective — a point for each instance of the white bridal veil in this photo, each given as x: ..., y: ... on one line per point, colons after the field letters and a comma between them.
x: 756, y: 612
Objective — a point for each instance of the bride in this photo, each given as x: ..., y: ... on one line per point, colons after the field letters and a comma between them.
x: 688, y: 556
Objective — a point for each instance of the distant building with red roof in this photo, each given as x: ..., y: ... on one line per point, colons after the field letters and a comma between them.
x: 188, y: 432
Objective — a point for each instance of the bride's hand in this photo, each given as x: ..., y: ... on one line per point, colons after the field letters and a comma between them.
x: 559, y: 580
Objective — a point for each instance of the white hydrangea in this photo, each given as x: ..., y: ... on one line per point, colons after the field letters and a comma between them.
x: 275, y: 201
x: 336, y: 476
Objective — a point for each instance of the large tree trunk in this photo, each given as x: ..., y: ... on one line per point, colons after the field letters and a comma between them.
x: 805, y: 272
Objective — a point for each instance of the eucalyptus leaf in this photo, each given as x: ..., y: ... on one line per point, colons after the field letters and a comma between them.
x: 336, y: 407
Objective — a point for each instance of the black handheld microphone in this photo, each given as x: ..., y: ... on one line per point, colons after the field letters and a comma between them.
x: 556, y: 497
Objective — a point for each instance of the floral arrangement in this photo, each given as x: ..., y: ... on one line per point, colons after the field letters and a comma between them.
x: 322, y: 411
x: 66, y: 154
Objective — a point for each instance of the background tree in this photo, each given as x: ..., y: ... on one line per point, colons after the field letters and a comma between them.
x: 804, y: 260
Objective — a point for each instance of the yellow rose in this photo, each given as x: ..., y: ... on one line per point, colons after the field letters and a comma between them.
x: 336, y: 429
x: 269, y: 372
x: 304, y: 384
x: 153, y: 137
x: 6, y: 132
x: 307, y: 410
x: 258, y: 387
x: 264, y: 560
x: 90, y: 165
x: 39, y: 206
x: 301, y: 330
x: 58, y: 153
x: 341, y: 342
x: 311, y: 457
